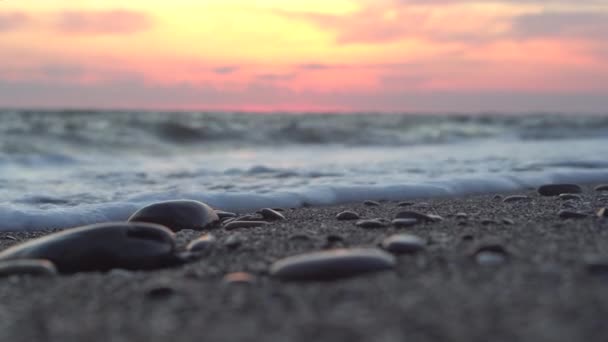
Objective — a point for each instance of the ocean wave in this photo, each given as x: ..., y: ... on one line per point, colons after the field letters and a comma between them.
x: 37, y: 132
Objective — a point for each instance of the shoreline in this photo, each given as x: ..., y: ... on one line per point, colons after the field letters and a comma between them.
x: 545, y: 291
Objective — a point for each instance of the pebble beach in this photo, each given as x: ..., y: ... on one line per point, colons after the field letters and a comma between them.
x: 506, y: 267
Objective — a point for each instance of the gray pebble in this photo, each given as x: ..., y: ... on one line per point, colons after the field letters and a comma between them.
x: 516, y: 198
x: 371, y: 203
x: 372, y: 223
x: 225, y: 214
x: 178, y: 215
x: 347, y: 216
x: 418, y: 216
x: 461, y: 216
x: 490, y: 258
x: 244, y: 224
x: 403, y: 243
x: 234, y: 241
x: 570, y: 197
x: 34, y: 267
x: 332, y: 264
x: 405, y: 204
x: 558, y: 189
x: 601, y: 187
x: 203, y: 243
x: 271, y: 214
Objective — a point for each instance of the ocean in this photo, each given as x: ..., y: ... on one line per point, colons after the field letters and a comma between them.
x: 61, y: 169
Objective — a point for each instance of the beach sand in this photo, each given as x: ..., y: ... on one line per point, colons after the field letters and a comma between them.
x: 545, y: 291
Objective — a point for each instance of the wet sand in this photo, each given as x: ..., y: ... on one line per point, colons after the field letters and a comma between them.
x: 544, y: 292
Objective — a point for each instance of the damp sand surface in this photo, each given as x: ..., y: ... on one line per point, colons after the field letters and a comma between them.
x: 545, y: 290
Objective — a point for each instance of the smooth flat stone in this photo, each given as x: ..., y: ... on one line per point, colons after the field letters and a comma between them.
x: 558, y: 189
x: 203, y: 243
x: 404, y: 222
x: 405, y: 204
x: 234, y: 241
x: 34, y: 267
x: 225, y: 214
x: 102, y: 247
x: 403, y: 243
x: 516, y: 198
x: 489, y: 258
x: 461, y: 216
x: 601, y: 187
x: 371, y: 203
x: 570, y: 197
x: 347, y: 216
x: 567, y: 214
x: 332, y: 264
x: 507, y: 221
x: 371, y: 223
x: 244, y: 224
x: 271, y: 215
x: 178, y: 215
x: 418, y: 216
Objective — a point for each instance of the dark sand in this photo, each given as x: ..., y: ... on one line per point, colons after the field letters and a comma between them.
x: 544, y: 293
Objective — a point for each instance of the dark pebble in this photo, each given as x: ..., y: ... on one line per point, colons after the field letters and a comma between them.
x: 597, y: 265
x: 487, y: 222
x: 333, y: 238
x: 558, y: 189
x: 497, y: 197
x: 347, y: 216
x: 372, y: 223
x: 244, y: 224
x: 516, y: 198
x: 160, y: 292
x: 203, y: 243
x: 601, y: 187
x: 332, y: 264
x: 371, y: 203
x: 34, y: 267
x: 404, y: 222
x: 178, y: 215
x: 102, y: 247
x: 570, y: 197
x: 567, y: 214
x: 271, y: 214
x: 403, y: 243
x: 405, y: 204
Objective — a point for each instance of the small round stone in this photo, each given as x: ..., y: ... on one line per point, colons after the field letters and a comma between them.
x: 404, y: 222
x: 160, y: 292
x: 271, y: 214
x: 178, y: 215
x: 234, y: 241
x: 347, y: 216
x: 461, y: 216
x: 601, y: 187
x: 244, y: 224
x: 558, y: 189
x: 405, y: 204
x: 403, y: 243
x: 372, y: 223
x: 203, y: 243
x: 332, y: 264
x: 239, y: 278
x: 371, y: 203
x: 516, y: 198
x: 34, y: 267
x: 567, y: 214
x: 489, y: 258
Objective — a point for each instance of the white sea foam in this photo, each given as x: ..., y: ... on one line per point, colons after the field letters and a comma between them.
x: 72, y: 175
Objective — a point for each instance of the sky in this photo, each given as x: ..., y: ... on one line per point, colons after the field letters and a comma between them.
x: 306, y: 55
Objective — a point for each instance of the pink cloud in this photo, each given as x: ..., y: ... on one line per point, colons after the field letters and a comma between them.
x: 12, y: 21
x: 103, y: 22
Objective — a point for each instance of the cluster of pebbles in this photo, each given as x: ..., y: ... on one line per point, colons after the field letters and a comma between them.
x: 146, y: 241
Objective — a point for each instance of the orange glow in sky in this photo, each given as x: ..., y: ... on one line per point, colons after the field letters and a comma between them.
x: 350, y: 55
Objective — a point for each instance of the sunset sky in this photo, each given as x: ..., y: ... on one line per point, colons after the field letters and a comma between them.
x: 306, y: 55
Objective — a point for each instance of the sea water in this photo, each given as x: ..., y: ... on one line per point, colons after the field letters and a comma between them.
x: 61, y: 169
